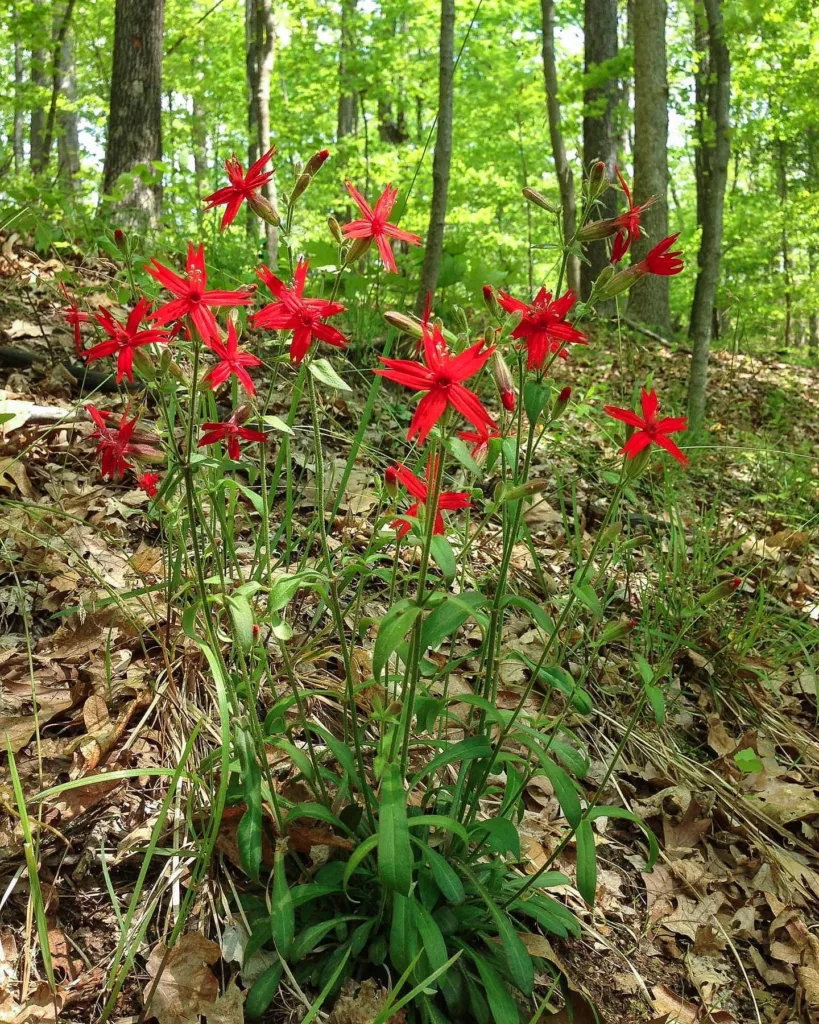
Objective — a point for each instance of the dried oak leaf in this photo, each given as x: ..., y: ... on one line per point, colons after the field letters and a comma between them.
x: 186, y: 987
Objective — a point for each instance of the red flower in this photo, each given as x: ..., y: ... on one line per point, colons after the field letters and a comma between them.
x: 114, y: 442
x: 242, y: 186
x: 292, y: 312
x: 148, y: 482
x: 233, y: 362
x: 230, y: 432
x: 660, y: 261
x: 447, y: 500
x: 649, y: 428
x: 543, y: 325
x: 628, y: 223
x: 191, y: 297
x: 124, y: 339
x: 74, y: 317
x: 374, y: 224
x: 441, y: 378
x: 479, y: 439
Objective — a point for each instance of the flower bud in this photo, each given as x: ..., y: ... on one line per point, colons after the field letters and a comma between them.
x: 536, y: 199
x: 264, y: 209
x: 611, y: 533
x: 620, y: 282
x: 491, y: 301
x: 721, y: 591
x: 617, y: 631
x: 561, y: 402
x: 242, y: 414
x: 316, y: 161
x: 504, y: 381
x: 405, y: 324
x: 335, y: 229
x: 142, y: 361
x: 121, y: 241
x: 145, y: 453
x: 597, y: 182
x: 606, y: 274
x: 391, y: 481
x: 597, y: 229
x: 358, y: 249
x: 513, y: 321
x: 460, y: 315
x: 505, y: 493
x: 302, y: 182
x: 635, y: 466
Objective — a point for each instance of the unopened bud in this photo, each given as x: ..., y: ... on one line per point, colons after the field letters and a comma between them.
x: 121, y: 241
x: 145, y: 453
x: 597, y: 179
x: 335, y: 229
x: 606, y: 274
x: 264, y: 209
x: 316, y: 161
x: 617, y: 631
x: 597, y: 229
x: 491, y: 301
x: 242, y: 414
x: 358, y: 249
x: 536, y: 199
x: 504, y: 493
x: 611, y: 533
x: 561, y: 402
x: 635, y: 466
x: 302, y: 182
x: 504, y: 381
x: 391, y: 481
x: 142, y: 361
x: 721, y: 591
x: 621, y: 281
x: 513, y: 321
x: 460, y: 315
x: 404, y: 323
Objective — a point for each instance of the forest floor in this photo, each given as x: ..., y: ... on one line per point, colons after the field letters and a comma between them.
x: 722, y: 930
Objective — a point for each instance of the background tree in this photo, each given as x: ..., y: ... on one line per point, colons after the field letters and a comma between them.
x: 68, y: 137
x: 649, y: 303
x: 563, y: 168
x: 347, y: 100
x: 599, y: 101
x: 39, y: 80
x: 712, y: 156
x: 261, y: 54
x: 135, y: 117
x: 434, y: 241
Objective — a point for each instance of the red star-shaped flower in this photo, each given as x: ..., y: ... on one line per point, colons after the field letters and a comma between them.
x: 650, y: 430
x: 242, y: 186
x: 231, y: 432
x: 74, y: 317
x: 441, y: 376
x: 147, y: 482
x: 479, y: 439
x: 662, y: 262
x: 114, y: 443
x: 543, y: 325
x: 124, y: 339
x: 233, y: 362
x: 374, y: 224
x: 447, y: 500
x: 192, y: 298
x: 627, y: 224
x: 292, y: 312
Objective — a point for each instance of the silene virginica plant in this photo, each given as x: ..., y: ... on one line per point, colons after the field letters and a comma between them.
x: 412, y: 792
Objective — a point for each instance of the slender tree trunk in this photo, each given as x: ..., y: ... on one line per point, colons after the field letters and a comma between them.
x: 252, y: 75
x: 443, y: 158
x: 135, y: 118
x: 347, y: 101
x: 648, y: 300
x: 813, y: 316
x: 599, y: 101
x: 56, y: 82
x: 68, y: 140
x: 782, y: 183
x: 18, y: 130
x: 261, y: 54
x: 714, y: 141
x: 199, y: 141
x: 39, y: 78
x: 563, y: 169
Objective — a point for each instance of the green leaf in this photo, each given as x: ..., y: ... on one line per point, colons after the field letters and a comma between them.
x: 286, y: 587
x: 264, y: 989
x: 586, y: 861
x: 586, y: 595
x: 463, y: 750
x: 446, y: 878
x: 241, y: 616
x: 442, y: 553
x: 403, y: 934
x: 656, y: 698
x: 432, y: 940
x: 499, y: 834
x: 356, y: 857
x: 747, y: 761
x: 249, y: 839
x: 503, y: 1006
x: 538, y: 614
x: 278, y: 424
x: 324, y: 372
x: 296, y: 755
x: 394, y: 627
x: 314, y: 810
x: 282, y: 917
x: 307, y: 940
x: 394, y: 850
x: 439, y: 821
x: 449, y: 616
x: 625, y: 815
x: 462, y: 454
x: 535, y: 398
x: 561, y: 783
x: 555, y: 676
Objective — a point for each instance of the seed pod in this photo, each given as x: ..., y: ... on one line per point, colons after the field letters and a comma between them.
x: 404, y: 323
x: 264, y: 209
x: 335, y: 229
x: 537, y: 199
x: 357, y: 249
x: 620, y: 282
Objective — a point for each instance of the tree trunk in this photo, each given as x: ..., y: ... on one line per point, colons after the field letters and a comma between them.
x: 347, y: 101
x: 261, y: 52
x: 68, y: 140
x: 39, y: 78
x: 563, y: 168
x: 599, y: 101
x: 782, y: 183
x: 442, y: 159
x: 714, y: 141
x: 135, y: 118
x: 813, y: 316
x: 57, y: 71
x: 18, y: 130
x: 648, y: 300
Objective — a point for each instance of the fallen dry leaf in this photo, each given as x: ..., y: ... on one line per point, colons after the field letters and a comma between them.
x: 186, y: 985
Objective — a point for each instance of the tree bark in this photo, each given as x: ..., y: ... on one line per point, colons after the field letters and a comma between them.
x: 39, y: 78
x: 648, y: 300
x: 18, y: 129
x: 261, y: 54
x: 813, y: 316
x: 599, y: 101
x: 135, y: 117
x: 782, y: 184
x: 563, y: 169
x: 714, y: 152
x: 346, y: 115
x: 57, y: 73
x: 68, y: 140
x: 442, y: 159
